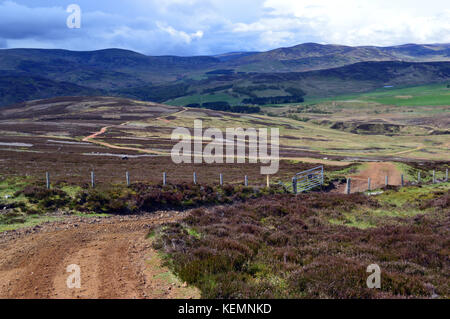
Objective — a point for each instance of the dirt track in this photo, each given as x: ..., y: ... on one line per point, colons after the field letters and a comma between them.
x: 92, y: 139
x: 377, y: 171
x: 115, y: 258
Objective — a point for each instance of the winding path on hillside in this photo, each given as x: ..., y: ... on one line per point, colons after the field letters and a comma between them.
x: 163, y: 118
x: 419, y: 148
x: 92, y: 138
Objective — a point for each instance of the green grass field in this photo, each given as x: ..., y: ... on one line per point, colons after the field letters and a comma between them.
x: 427, y: 95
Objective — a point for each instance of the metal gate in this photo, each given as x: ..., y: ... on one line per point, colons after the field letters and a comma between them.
x: 307, y: 180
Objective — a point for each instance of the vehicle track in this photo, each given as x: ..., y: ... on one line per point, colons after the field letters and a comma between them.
x: 377, y: 171
x: 114, y: 254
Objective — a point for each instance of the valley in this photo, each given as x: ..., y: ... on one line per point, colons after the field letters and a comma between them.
x: 99, y: 126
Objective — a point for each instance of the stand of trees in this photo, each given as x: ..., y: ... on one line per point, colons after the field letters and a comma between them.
x: 249, y: 90
x: 296, y: 95
x: 225, y: 106
x: 274, y: 100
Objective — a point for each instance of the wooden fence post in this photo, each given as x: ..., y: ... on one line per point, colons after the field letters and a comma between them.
x: 195, y: 178
x: 267, y: 181
x: 446, y: 175
x: 418, y: 177
x: 221, y: 179
x: 127, y: 177
x: 93, y: 179
x: 348, y: 188
x: 47, y: 178
x: 434, y: 177
x: 386, y: 181
x: 246, y: 181
x: 164, y: 178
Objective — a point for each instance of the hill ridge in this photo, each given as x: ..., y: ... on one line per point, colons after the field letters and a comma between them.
x: 25, y: 73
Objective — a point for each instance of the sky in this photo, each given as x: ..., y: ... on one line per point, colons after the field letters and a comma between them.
x: 208, y: 27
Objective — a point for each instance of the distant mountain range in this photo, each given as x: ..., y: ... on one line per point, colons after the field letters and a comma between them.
x: 313, y: 56
x: 314, y: 68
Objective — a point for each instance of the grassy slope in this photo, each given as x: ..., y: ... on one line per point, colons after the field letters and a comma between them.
x: 432, y: 95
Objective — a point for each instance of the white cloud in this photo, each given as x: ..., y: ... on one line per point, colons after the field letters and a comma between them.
x: 365, y: 22
x: 187, y: 38
x: 191, y: 27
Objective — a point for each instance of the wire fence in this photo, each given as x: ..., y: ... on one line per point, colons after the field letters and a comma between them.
x: 301, y: 182
x: 436, y: 177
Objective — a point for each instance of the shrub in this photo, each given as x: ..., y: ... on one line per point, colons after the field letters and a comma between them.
x: 44, y: 199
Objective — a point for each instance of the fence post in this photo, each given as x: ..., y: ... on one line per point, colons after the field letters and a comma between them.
x: 348, y: 188
x: 418, y: 177
x: 368, y: 184
x: 386, y: 181
x: 321, y: 176
x: 195, y: 178
x: 294, y: 184
x: 246, y: 181
x: 93, y: 179
x: 403, y: 181
x: 47, y: 178
x: 164, y: 179
x: 267, y: 181
x: 221, y: 179
x: 446, y: 175
x: 434, y: 177
x: 127, y: 177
